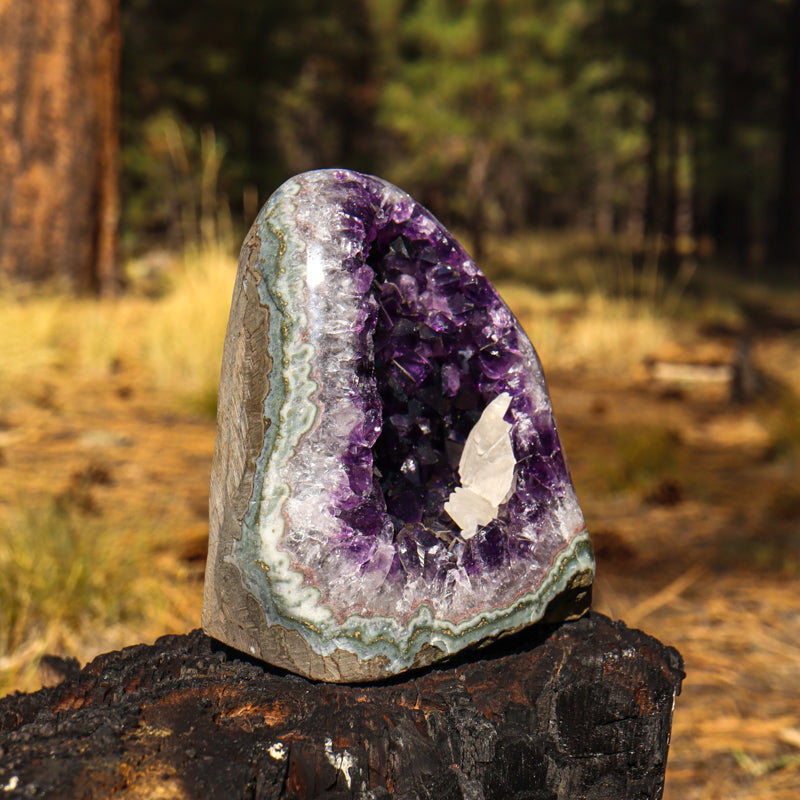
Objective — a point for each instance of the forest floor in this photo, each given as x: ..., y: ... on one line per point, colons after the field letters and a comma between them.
x: 693, y: 503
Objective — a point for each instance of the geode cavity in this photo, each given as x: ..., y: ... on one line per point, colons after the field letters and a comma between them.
x: 388, y: 487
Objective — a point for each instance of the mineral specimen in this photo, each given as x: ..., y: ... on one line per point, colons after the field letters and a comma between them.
x: 388, y: 487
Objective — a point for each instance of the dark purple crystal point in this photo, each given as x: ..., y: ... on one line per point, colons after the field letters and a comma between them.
x: 388, y: 485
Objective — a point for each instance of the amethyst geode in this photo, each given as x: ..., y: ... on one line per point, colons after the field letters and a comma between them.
x: 388, y: 487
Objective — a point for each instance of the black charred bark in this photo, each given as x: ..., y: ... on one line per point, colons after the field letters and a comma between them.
x: 578, y: 711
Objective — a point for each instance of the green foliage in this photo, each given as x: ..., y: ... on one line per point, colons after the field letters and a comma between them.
x: 660, y: 120
x: 180, y: 190
x: 325, y: 105
x: 480, y: 103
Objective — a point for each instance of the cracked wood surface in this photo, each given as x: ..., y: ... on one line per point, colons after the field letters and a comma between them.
x: 582, y: 710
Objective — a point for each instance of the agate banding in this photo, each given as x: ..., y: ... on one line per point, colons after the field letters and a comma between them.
x: 388, y: 486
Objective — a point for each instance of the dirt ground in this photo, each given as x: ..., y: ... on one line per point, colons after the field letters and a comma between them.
x: 703, y: 554
x: 694, y: 505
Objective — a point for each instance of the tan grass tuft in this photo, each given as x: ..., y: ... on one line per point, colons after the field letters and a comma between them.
x: 182, y: 343
x: 597, y: 334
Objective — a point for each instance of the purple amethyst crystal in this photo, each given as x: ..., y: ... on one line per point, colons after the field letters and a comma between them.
x: 388, y: 487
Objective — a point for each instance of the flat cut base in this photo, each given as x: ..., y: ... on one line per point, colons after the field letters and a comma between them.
x: 287, y: 649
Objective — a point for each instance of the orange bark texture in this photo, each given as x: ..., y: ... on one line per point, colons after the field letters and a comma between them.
x: 59, y: 142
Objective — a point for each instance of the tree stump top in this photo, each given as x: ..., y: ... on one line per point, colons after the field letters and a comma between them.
x: 582, y: 710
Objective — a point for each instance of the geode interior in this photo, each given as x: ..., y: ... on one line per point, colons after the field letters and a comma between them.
x: 388, y: 487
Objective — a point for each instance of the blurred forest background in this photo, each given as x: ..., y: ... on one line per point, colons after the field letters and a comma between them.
x: 627, y: 173
x: 678, y: 119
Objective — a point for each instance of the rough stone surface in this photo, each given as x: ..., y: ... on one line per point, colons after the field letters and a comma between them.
x: 365, y: 356
x: 578, y: 711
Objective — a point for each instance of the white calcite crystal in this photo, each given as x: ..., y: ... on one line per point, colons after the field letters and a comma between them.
x: 486, y: 470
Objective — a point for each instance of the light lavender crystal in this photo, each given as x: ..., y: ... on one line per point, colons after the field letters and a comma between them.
x: 365, y: 349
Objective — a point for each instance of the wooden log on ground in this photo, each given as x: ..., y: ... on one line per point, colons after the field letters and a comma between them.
x: 582, y: 710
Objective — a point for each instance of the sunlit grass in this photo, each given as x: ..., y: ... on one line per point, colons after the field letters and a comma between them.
x: 41, y: 334
x: 176, y: 340
x: 182, y: 342
x: 604, y: 316
x: 72, y: 582
x: 62, y: 573
x: 586, y: 305
x: 596, y: 333
x: 75, y: 583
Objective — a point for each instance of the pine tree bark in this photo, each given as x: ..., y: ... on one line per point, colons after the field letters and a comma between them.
x: 59, y: 142
x: 787, y: 234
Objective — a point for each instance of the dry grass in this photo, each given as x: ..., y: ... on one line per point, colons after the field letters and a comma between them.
x: 80, y: 574
x: 595, y: 333
x: 182, y: 343
x: 41, y: 334
x: 176, y: 339
x: 736, y: 732
x: 711, y: 566
x: 61, y: 573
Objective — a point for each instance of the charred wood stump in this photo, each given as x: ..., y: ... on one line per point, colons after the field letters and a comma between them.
x: 582, y: 710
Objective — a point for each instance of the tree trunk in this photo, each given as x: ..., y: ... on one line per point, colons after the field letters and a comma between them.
x: 578, y: 712
x: 477, y: 184
x: 59, y: 203
x: 674, y: 119
x: 652, y: 203
x: 787, y: 234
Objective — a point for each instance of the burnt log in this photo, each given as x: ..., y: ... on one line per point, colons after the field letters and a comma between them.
x: 580, y: 710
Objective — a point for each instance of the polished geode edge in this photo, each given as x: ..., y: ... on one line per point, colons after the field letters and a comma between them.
x: 240, y: 622
x: 262, y: 606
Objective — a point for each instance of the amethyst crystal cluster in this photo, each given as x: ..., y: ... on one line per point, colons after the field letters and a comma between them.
x: 388, y: 487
